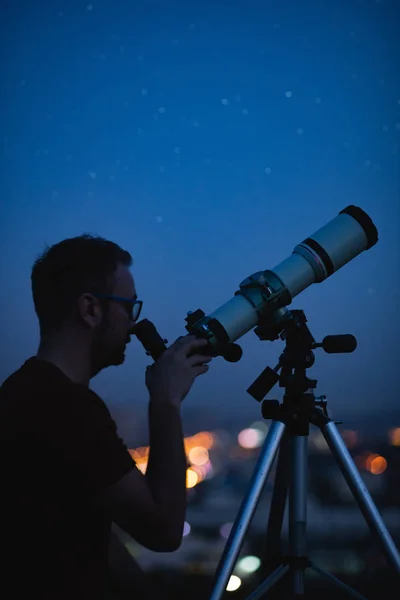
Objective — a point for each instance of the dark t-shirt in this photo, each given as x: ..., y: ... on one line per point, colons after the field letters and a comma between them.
x: 58, y: 447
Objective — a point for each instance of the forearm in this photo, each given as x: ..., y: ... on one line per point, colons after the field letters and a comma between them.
x: 166, y: 469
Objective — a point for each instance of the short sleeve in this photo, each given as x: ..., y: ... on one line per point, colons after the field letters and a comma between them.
x: 99, y: 455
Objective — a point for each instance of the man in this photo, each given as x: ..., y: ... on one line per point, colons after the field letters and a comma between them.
x: 66, y: 475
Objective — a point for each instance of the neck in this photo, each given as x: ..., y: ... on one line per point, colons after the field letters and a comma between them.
x: 72, y: 359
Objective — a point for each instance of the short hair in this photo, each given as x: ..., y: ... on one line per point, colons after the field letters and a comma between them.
x: 66, y: 270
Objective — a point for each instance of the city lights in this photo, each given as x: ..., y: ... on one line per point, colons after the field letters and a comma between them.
x: 198, y: 455
x: 234, y: 583
x: 248, y: 564
x: 213, y: 454
x: 376, y: 464
x: 394, y: 436
x: 250, y: 438
x: 196, y: 449
x: 191, y: 478
x: 373, y: 463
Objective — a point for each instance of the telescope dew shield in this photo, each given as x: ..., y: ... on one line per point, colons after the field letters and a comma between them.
x: 328, y: 249
x: 265, y: 292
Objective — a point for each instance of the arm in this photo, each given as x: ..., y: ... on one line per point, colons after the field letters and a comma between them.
x: 166, y: 470
x: 151, y: 507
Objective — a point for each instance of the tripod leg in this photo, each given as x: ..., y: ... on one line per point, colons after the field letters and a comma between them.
x: 268, y: 583
x: 361, y: 494
x: 247, y: 508
x: 298, y: 508
x: 278, y: 503
x: 339, y: 584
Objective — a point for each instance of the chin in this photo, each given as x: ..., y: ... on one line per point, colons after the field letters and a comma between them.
x: 114, y: 361
x: 120, y: 359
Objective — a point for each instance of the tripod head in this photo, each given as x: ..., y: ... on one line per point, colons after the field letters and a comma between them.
x: 296, y: 358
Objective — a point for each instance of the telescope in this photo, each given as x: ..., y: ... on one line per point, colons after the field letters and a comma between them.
x: 262, y: 297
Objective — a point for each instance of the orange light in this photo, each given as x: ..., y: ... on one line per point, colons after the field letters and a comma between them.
x: 198, y: 455
x: 135, y: 454
x: 369, y: 457
x: 394, y: 436
x: 378, y: 465
x: 142, y: 465
x: 141, y: 457
x: 191, y: 478
x: 139, y: 453
x: 203, y: 438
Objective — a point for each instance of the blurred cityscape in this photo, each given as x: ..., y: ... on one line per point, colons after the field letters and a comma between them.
x: 220, y: 465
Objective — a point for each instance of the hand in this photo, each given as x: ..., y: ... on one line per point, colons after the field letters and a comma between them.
x: 170, y: 378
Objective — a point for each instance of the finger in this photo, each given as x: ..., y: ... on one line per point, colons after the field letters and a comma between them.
x: 188, y: 344
x: 183, y: 340
x: 201, y: 370
x: 193, y: 344
x: 199, y: 359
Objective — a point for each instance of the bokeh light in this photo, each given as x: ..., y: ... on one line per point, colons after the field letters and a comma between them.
x: 377, y: 465
x: 248, y: 564
x: 234, y: 583
x: 191, y: 478
x: 250, y: 438
x: 394, y: 436
x: 225, y: 530
x: 198, y: 455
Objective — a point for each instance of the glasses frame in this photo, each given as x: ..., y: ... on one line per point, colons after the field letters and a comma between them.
x: 126, y: 301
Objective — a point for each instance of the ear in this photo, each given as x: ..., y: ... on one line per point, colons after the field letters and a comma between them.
x: 90, y: 310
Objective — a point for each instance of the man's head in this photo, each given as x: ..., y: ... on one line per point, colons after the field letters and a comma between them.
x: 71, y: 285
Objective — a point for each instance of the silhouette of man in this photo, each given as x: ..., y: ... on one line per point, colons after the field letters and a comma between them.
x: 66, y: 474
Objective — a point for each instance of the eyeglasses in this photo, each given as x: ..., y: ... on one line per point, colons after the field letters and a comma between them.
x: 134, y: 307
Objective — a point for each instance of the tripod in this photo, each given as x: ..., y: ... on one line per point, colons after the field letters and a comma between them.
x: 289, y: 432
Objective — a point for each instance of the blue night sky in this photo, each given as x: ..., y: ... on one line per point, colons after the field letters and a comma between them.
x: 208, y: 139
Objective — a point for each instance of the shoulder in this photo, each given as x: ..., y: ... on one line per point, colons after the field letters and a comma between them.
x: 39, y: 398
x: 87, y: 407
x: 18, y: 393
